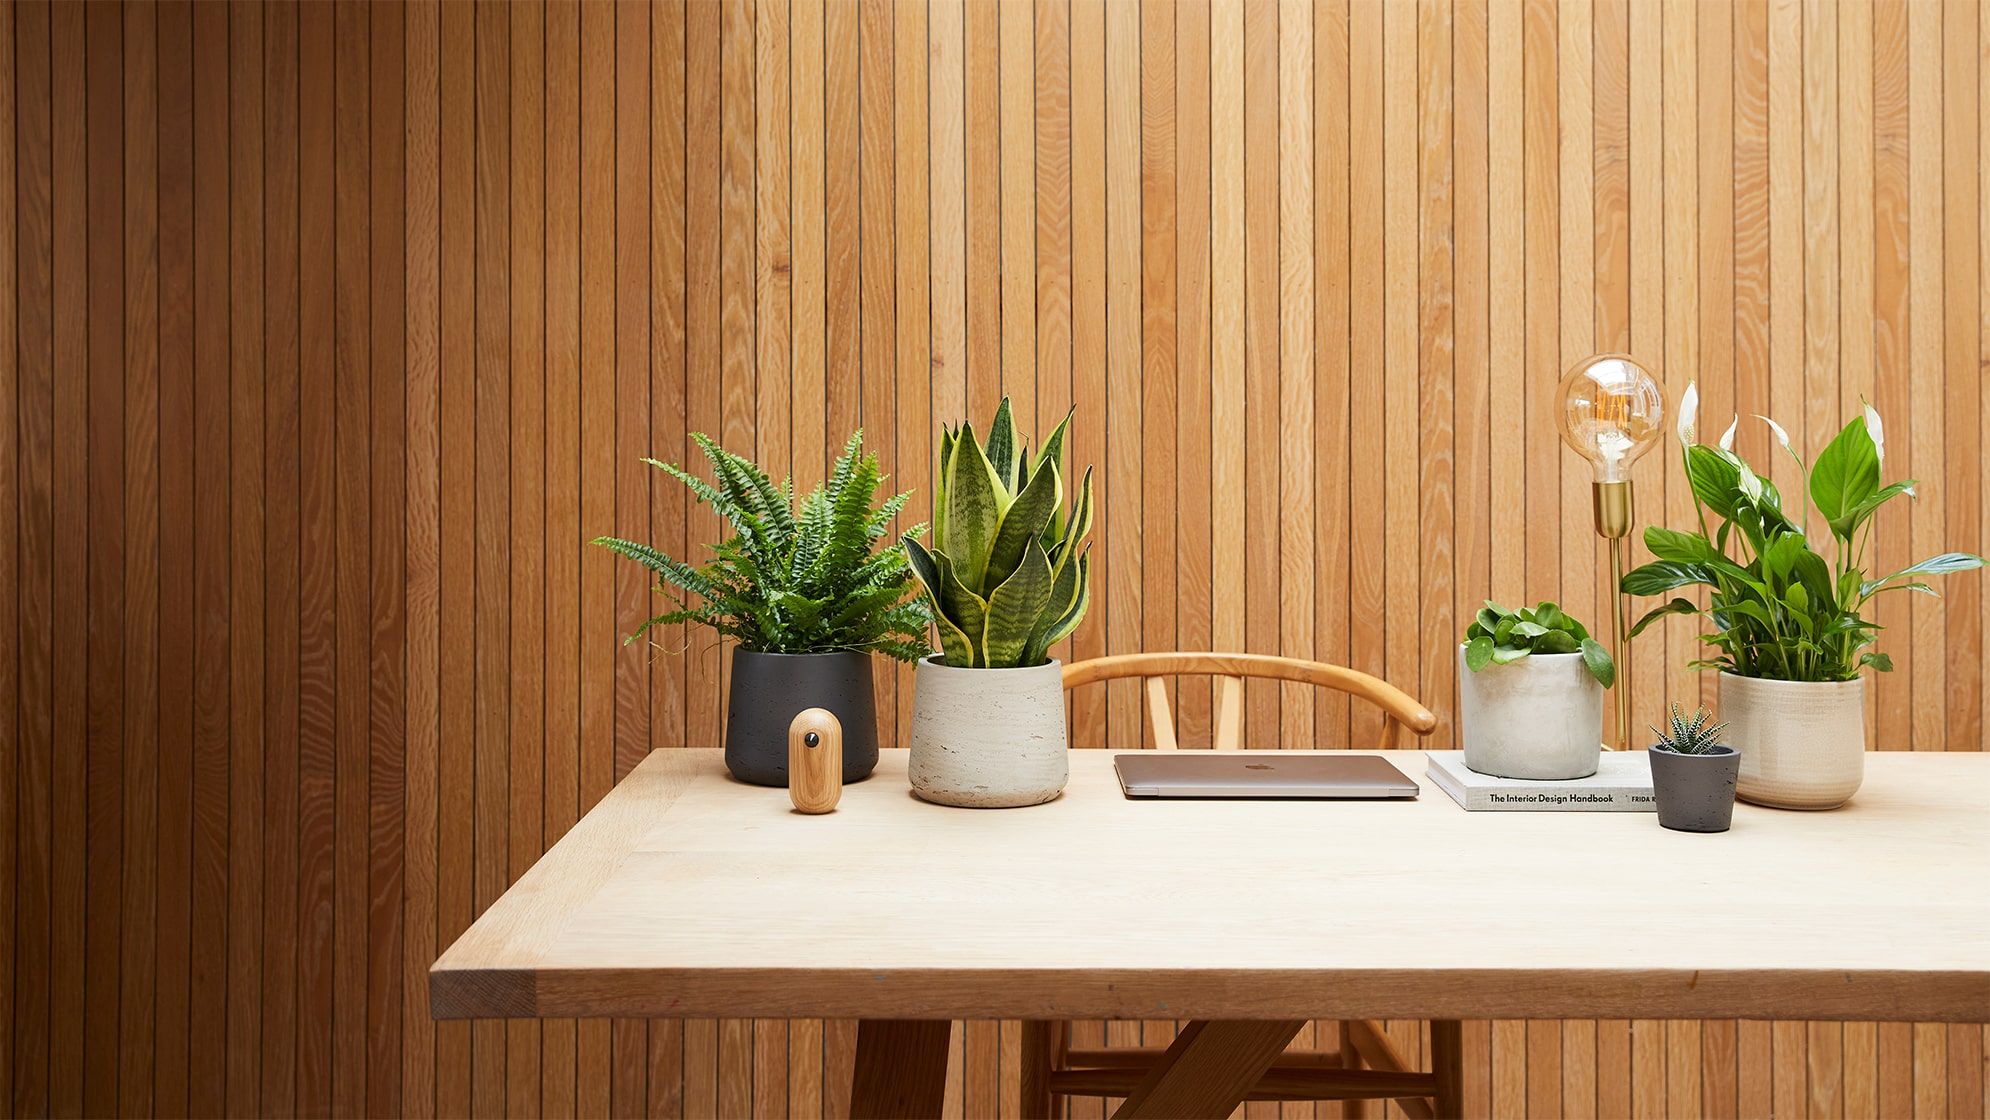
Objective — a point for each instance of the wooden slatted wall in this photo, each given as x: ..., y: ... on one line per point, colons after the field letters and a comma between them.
x: 327, y: 332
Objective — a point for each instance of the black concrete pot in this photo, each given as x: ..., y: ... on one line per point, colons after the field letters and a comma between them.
x: 1695, y: 792
x: 770, y: 689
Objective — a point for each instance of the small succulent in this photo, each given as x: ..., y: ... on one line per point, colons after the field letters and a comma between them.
x: 1007, y: 575
x: 1499, y: 636
x: 1689, y: 734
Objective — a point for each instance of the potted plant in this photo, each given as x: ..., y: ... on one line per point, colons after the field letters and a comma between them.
x: 1005, y: 579
x: 805, y: 592
x: 1692, y: 774
x: 1530, y: 693
x: 1790, y: 632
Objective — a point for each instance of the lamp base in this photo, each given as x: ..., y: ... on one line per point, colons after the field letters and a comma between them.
x: 1614, y: 516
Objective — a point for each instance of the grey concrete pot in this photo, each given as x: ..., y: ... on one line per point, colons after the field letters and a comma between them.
x: 988, y: 738
x: 770, y: 689
x: 1540, y: 717
x: 1695, y: 792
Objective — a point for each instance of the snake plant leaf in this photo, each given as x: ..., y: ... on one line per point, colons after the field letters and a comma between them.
x: 959, y: 612
x: 1022, y: 523
x: 1014, y: 608
x: 1004, y: 450
x: 1074, y: 614
x: 1052, y: 450
x: 948, y: 437
x: 973, y: 511
x: 1079, y: 523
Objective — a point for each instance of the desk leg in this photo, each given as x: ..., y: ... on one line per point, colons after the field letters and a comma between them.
x: 1209, y: 1068
x: 901, y: 1068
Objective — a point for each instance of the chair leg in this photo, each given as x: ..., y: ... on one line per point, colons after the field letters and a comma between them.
x: 1447, y: 1061
x: 1350, y: 1058
x: 1038, y: 1050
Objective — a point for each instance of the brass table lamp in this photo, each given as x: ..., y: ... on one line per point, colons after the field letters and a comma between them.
x: 1609, y: 409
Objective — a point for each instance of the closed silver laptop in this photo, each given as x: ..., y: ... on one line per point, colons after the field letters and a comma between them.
x: 1250, y: 775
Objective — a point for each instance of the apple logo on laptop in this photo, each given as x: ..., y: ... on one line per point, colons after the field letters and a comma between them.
x: 1256, y: 766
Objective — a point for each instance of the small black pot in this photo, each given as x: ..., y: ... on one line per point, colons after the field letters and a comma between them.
x: 1695, y: 792
x: 770, y: 689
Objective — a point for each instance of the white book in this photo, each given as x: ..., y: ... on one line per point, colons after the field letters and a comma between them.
x: 1621, y: 784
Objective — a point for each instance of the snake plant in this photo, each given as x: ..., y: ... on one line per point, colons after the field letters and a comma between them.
x: 1006, y: 577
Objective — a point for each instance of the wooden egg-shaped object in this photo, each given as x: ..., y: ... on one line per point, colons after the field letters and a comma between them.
x: 815, y: 761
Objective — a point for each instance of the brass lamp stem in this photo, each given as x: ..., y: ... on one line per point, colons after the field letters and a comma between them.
x: 1613, y: 522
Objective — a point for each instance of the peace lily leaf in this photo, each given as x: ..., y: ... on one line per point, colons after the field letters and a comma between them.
x: 1661, y: 576
x: 1938, y: 565
x: 1676, y: 606
x: 1845, y: 476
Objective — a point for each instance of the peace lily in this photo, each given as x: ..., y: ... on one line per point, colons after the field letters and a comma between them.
x: 1689, y: 411
x: 1780, y: 611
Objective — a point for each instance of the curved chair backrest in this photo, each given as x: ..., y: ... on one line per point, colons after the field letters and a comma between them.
x: 1397, y: 706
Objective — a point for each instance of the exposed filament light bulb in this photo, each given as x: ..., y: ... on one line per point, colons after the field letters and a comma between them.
x: 1611, y: 409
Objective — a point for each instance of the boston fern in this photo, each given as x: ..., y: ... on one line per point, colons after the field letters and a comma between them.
x: 1780, y: 610
x: 807, y: 580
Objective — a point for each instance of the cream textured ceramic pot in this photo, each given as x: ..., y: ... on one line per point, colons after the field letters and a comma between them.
x: 1802, y: 743
x: 1538, y: 717
x: 988, y: 738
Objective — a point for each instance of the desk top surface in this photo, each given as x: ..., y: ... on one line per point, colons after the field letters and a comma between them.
x: 687, y: 894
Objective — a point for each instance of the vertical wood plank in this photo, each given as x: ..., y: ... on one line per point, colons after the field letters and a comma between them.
x: 1298, y: 569
x: 1259, y: 586
x: 634, y: 664
x: 422, y: 514
x: 456, y: 442
x: 1193, y: 497
x: 104, y: 204
x: 841, y: 221
x: 599, y: 469
x: 137, y: 1034
x: 878, y: 271
x: 130, y: 1050
x: 1226, y: 319
x: 387, y: 677
x: 527, y: 420
x: 352, y: 370
x: 34, y: 762
x: 702, y: 393
x: 1122, y: 513
x: 207, y: 1050
x: 1436, y: 369
x: 668, y: 434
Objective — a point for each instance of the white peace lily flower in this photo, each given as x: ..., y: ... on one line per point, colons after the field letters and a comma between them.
x: 1689, y: 411
x: 1727, y: 437
x: 1782, y: 436
x: 1878, y: 432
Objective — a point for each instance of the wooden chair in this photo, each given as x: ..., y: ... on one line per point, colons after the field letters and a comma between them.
x: 1053, y: 1069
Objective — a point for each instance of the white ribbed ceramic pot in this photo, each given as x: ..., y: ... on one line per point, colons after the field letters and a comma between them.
x: 1802, y: 743
x: 1538, y: 717
x: 988, y: 738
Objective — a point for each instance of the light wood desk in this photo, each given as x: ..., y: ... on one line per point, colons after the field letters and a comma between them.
x: 685, y: 894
